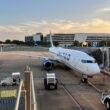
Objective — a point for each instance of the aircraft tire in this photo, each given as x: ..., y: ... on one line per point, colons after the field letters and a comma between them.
x: 56, y: 86
x: 108, y: 105
x: 4, y: 84
x: 84, y: 80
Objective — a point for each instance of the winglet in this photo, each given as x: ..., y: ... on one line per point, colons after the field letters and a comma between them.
x: 51, y: 42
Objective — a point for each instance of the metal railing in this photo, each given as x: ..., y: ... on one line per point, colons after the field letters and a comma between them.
x: 33, y: 94
x: 27, y: 97
x: 19, y: 95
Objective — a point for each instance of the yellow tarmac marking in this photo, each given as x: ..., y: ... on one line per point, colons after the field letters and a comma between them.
x: 7, y: 93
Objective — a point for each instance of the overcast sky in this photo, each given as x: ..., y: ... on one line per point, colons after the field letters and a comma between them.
x: 25, y: 17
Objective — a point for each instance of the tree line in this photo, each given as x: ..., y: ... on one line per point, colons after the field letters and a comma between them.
x: 23, y: 43
x: 102, y: 43
x: 17, y: 42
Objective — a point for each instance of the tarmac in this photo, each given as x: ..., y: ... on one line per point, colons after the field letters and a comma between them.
x: 84, y: 94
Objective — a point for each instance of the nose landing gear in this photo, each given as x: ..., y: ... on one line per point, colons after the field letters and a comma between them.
x: 84, y: 79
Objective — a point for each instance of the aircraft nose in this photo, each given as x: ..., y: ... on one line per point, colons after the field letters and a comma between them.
x: 93, y: 69
x: 96, y: 69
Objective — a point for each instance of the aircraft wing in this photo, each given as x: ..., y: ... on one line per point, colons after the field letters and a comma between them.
x: 30, y: 56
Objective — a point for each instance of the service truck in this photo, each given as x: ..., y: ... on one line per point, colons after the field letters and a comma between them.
x: 11, y: 81
x: 105, y: 99
x: 50, y: 81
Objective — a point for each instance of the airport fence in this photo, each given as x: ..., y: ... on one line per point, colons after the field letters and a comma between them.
x: 25, y: 48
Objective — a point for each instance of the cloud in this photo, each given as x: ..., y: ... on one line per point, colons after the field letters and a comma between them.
x: 104, y: 10
x: 19, y: 31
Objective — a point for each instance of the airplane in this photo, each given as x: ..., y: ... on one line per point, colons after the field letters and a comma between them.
x: 74, y: 59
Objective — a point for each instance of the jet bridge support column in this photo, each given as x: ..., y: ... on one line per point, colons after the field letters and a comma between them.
x: 27, y: 84
x: 1, y: 49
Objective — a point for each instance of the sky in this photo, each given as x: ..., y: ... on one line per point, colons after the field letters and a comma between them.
x: 19, y: 18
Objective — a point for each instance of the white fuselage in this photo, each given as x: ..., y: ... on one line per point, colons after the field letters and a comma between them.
x: 76, y: 60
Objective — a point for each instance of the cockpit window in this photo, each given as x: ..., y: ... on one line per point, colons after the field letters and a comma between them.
x: 88, y: 61
x: 83, y: 61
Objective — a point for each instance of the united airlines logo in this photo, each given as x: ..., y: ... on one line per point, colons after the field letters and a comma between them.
x: 66, y: 56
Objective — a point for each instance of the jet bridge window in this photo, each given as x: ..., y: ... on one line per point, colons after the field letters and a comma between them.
x: 87, y: 61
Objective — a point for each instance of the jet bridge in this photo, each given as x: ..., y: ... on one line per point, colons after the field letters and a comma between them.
x: 102, y: 56
x: 106, y: 57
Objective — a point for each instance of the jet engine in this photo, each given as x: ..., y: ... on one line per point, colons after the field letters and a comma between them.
x: 47, y: 64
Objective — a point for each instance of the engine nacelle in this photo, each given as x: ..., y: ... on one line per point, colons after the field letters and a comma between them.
x: 47, y: 64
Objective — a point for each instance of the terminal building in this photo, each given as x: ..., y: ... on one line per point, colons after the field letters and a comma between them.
x: 92, y: 38
x: 62, y: 39
x: 38, y: 37
x: 68, y: 39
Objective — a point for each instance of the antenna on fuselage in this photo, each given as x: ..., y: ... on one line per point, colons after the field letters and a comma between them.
x: 51, y: 42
